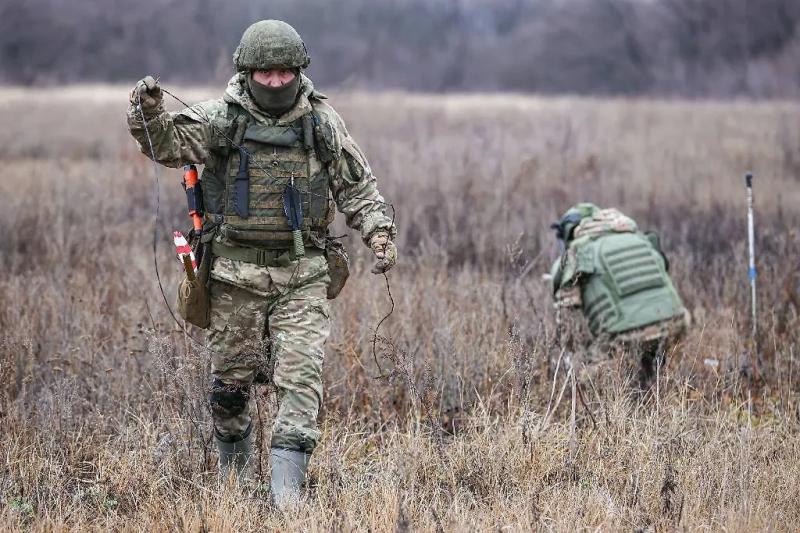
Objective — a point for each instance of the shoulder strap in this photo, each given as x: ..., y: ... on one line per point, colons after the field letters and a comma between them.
x: 223, y: 131
x: 239, y: 119
x: 655, y: 242
x: 236, y: 119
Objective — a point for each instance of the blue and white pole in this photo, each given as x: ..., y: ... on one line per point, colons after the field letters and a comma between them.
x: 751, y: 271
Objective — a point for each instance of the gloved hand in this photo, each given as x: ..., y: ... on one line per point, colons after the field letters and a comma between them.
x: 385, y: 250
x: 151, y: 96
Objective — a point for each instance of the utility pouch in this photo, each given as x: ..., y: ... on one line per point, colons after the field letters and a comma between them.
x: 338, y: 267
x: 193, y: 301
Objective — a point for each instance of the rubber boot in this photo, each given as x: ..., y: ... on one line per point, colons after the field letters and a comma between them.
x: 235, y: 456
x: 288, y: 476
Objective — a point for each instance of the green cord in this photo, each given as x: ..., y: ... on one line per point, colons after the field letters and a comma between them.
x: 299, y: 249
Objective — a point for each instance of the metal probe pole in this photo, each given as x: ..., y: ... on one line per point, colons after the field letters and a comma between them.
x: 751, y: 271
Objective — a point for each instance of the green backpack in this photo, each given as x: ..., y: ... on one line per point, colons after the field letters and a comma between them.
x: 624, y: 282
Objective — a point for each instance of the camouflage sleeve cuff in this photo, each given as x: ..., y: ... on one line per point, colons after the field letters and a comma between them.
x: 149, y: 113
x: 155, y: 122
x: 375, y: 222
x: 569, y: 297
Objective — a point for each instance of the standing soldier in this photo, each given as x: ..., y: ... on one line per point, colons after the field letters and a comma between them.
x: 270, y: 135
x: 616, y: 278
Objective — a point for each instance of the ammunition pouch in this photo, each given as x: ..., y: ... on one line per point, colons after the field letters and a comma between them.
x: 193, y: 301
x: 338, y: 267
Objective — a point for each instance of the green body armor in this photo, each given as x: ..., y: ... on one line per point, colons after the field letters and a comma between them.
x: 276, y: 156
x: 625, y: 283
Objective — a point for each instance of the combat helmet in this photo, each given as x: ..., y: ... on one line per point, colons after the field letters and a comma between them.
x: 270, y: 44
x: 571, y: 218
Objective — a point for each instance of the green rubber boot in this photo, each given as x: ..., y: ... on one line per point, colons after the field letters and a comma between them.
x: 235, y: 456
x: 288, y: 476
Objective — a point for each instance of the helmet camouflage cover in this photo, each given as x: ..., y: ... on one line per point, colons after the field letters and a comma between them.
x: 571, y: 218
x: 270, y: 44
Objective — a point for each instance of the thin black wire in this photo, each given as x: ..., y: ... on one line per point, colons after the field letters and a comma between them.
x: 157, y: 174
x: 378, y: 326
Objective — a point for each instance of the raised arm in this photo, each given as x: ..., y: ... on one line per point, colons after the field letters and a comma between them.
x: 177, y: 138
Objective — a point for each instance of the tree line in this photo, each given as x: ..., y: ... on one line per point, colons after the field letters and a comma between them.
x: 718, y: 48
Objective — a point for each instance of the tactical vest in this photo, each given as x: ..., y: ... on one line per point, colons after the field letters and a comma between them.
x: 275, y: 157
x: 627, y: 285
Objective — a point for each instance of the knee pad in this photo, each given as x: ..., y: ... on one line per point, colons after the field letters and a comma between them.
x: 228, y: 401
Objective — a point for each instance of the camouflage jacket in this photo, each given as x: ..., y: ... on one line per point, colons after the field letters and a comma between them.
x: 187, y: 136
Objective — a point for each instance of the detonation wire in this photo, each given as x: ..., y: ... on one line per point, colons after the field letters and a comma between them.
x: 380, y: 323
x: 204, y: 117
x: 157, y: 182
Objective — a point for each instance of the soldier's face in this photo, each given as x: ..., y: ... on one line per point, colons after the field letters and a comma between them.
x: 275, y: 77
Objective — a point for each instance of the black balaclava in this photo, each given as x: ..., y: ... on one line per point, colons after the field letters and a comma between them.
x: 275, y: 101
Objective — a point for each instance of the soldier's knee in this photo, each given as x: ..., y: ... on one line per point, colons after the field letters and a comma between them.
x: 228, y: 401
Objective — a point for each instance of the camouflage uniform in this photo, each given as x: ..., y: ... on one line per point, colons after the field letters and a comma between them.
x: 633, y: 307
x: 269, y: 319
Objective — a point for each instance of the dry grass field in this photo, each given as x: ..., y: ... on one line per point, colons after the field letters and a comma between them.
x: 102, y: 410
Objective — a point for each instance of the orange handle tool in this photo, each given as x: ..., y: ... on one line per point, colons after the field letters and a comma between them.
x: 190, y: 180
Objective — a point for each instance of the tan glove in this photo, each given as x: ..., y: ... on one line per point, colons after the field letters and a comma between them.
x: 385, y: 251
x: 149, y: 92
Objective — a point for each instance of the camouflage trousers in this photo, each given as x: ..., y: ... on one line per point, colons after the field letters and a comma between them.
x: 268, y: 323
x: 641, y: 350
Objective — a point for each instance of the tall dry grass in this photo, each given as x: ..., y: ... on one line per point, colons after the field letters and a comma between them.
x: 102, y: 397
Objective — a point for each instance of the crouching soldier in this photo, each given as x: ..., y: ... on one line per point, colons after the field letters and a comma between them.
x: 614, y: 279
x: 278, y: 161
